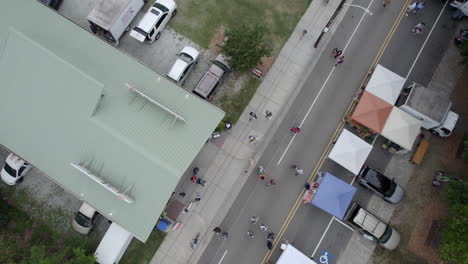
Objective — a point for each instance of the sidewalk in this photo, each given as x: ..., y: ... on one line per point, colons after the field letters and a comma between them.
x: 226, y: 162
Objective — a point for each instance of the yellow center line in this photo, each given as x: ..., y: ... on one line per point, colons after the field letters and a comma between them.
x: 339, y: 128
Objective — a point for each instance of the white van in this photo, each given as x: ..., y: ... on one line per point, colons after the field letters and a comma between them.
x: 113, y: 245
x: 153, y: 22
x: 84, y: 219
x: 14, y: 170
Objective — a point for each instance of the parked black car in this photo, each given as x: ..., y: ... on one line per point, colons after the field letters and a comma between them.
x: 462, y: 37
x: 55, y: 4
x: 380, y: 184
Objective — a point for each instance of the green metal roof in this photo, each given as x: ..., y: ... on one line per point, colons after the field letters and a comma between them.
x: 65, y: 100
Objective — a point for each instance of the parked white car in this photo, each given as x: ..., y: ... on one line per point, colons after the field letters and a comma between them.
x: 84, y: 219
x: 154, y: 21
x: 14, y: 170
x: 184, y: 64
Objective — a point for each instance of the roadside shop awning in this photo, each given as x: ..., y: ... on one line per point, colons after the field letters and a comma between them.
x: 350, y: 151
x: 372, y: 112
x: 292, y: 255
x: 333, y: 195
x: 402, y: 128
x: 385, y: 84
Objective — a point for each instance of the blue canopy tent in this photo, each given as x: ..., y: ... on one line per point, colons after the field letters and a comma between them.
x: 333, y: 195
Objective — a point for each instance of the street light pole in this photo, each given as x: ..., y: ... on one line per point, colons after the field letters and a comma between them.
x: 363, y: 8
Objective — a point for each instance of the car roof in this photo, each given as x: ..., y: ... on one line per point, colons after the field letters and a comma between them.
x: 149, y: 19
x: 87, y: 210
x: 369, y: 222
x: 177, y: 69
x: 14, y: 161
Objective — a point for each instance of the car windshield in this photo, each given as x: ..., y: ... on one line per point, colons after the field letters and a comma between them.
x: 161, y: 7
x: 82, y: 220
x: 10, y: 170
x: 378, y: 181
x: 386, y: 235
x: 185, y: 57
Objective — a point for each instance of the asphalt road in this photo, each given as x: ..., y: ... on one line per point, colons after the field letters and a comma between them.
x: 273, y: 205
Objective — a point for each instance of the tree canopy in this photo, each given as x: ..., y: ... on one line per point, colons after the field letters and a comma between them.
x: 244, y: 46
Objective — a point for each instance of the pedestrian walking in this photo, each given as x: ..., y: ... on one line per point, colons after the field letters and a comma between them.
x: 336, y: 52
x: 268, y: 114
x: 299, y: 171
x: 339, y: 60
x: 271, y: 182
x: 252, y: 116
x: 217, y: 230
x: 193, y: 178
x: 410, y: 8
x: 263, y: 227
x: 418, y: 29
x: 262, y: 177
x: 252, y: 139
x: 269, y: 245
x: 419, y: 6
x: 225, y: 235
x: 271, y: 236
x: 260, y: 169
x: 254, y: 219
x: 386, y: 2
x: 201, y: 182
x: 295, y: 130
x: 250, y: 234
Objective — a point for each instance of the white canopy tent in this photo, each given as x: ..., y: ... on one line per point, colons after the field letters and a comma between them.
x: 401, y: 128
x: 385, y: 84
x: 292, y: 255
x: 350, y: 151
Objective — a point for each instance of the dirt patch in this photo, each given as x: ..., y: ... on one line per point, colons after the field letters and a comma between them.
x: 218, y: 40
x: 418, y: 243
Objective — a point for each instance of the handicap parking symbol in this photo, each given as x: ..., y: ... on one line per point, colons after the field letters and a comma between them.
x: 325, y: 257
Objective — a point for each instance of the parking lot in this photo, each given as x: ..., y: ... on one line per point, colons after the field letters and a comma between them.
x: 159, y: 55
x: 43, y: 199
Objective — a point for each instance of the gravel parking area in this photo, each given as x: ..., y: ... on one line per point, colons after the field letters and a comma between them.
x: 158, y: 56
x: 42, y: 199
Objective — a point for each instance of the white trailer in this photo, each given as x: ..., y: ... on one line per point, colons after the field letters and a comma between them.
x: 109, y: 19
x: 113, y: 245
x: 433, y: 109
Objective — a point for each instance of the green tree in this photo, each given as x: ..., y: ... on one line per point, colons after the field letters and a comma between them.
x: 39, y: 255
x: 244, y: 46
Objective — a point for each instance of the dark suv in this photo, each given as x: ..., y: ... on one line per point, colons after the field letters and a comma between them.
x: 380, y: 184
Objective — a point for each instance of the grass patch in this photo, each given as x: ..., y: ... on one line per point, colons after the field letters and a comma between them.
x: 19, y: 232
x: 142, y: 253
x: 199, y: 20
x: 234, y: 104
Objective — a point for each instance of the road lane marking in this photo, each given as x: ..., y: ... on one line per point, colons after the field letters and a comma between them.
x: 324, y: 84
x: 425, y: 42
x: 335, y: 135
x: 323, y: 235
x: 221, y: 260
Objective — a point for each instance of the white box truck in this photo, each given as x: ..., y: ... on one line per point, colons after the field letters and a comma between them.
x: 113, y: 245
x: 109, y: 19
x: 433, y: 109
